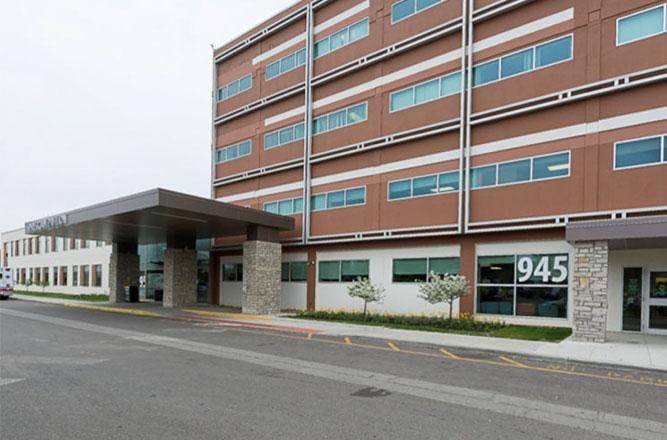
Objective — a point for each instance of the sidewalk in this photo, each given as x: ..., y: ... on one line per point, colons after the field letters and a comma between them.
x: 623, y: 349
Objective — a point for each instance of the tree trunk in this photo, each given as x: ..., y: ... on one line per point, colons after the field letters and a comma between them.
x: 365, y: 306
x: 451, y: 309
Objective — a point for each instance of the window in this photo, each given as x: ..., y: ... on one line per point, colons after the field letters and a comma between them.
x: 233, y: 151
x: 63, y: 278
x: 425, y: 92
x: 232, y: 272
x: 523, y: 285
x: 75, y: 276
x: 285, y: 207
x: 342, y: 38
x: 284, y: 136
x: 423, y: 186
x: 410, y: 270
x: 640, y: 152
x: 486, y: 73
x: 286, y: 64
x: 517, y: 63
x: 54, y: 275
x: 511, y: 172
x: 343, y: 271
x: 341, y: 118
x: 339, y: 199
x: 295, y: 271
x: 526, y: 60
x: 641, y: 25
x: 524, y: 170
x: 551, y: 166
x: 98, y: 275
x: 235, y: 87
x: 406, y: 8
x: 86, y: 276
x: 483, y: 176
x: 553, y: 52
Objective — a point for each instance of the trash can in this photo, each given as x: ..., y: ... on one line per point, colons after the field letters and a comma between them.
x: 134, y: 294
x: 159, y: 294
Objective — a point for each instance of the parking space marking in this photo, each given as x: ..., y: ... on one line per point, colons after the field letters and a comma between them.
x: 393, y: 346
x: 506, y: 362
x: 449, y: 354
x: 513, y: 362
x: 6, y: 381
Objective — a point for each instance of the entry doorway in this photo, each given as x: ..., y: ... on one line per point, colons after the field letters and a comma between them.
x: 645, y: 300
x: 655, y: 302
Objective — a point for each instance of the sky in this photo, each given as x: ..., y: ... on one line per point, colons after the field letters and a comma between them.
x: 105, y: 98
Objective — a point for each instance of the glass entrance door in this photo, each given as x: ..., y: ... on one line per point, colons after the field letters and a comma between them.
x: 655, y: 305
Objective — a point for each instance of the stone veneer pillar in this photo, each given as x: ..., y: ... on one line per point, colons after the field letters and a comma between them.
x: 180, y: 277
x: 261, y: 277
x: 590, y: 289
x: 123, y: 270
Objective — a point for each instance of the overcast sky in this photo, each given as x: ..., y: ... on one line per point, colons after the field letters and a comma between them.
x: 105, y: 98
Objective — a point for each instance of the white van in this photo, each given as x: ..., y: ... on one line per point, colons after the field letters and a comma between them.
x: 6, y: 283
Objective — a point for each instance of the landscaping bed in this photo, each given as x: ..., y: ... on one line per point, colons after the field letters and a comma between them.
x: 436, y: 324
x: 85, y: 297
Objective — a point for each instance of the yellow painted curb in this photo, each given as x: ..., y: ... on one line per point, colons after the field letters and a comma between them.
x: 229, y: 315
x: 114, y: 310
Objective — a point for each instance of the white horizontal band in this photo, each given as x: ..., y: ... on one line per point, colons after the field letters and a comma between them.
x: 319, y: 28
x: 613, y: 123
x: 504, y: 37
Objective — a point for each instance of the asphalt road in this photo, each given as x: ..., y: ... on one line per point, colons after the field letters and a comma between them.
x: 81, y: 374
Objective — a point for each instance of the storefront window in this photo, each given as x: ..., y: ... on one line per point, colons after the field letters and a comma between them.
x: 632, y: 299
x: 523, y: 285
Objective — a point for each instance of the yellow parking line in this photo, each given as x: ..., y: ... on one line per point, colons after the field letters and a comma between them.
x: 507, y: 362
x: 513, y: 362
x: 393, y: 346
x: 229, y: 315
x: 114, y: 310
x: 450, y: 354
x: 348, y: 341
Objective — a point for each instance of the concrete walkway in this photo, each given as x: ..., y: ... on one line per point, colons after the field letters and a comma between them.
x: 622, y: 349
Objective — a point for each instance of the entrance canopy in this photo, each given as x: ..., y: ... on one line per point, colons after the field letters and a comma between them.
x: 628, y: 233
x: 158, y: 216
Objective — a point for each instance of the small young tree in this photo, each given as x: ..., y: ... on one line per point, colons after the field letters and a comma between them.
x: 367, y: 291
x: 44, y: 283
x: 28, y: 283
x: 444, y: 288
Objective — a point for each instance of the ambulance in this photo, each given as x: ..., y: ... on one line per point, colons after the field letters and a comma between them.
x: 6, y: 283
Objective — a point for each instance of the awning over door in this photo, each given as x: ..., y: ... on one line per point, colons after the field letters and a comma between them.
x: 627, y: 233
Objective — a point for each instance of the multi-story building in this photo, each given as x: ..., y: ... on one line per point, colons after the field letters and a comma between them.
x: 522, y: 143
x: 55, y: 264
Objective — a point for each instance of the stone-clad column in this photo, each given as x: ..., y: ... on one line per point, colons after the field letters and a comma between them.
x: 590, y: 288
x: 261, y: 277
x: 180, y: 277
x: 123, y: 270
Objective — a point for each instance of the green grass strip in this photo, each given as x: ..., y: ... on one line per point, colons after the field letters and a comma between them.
x: 436, y: 324
x: 85, y: 297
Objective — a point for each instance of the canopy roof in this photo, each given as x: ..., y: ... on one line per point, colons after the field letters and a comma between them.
x: 155, y: 216
x: 627, y: 233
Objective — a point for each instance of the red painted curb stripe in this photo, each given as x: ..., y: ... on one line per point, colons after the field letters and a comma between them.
x: 250, y: 324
